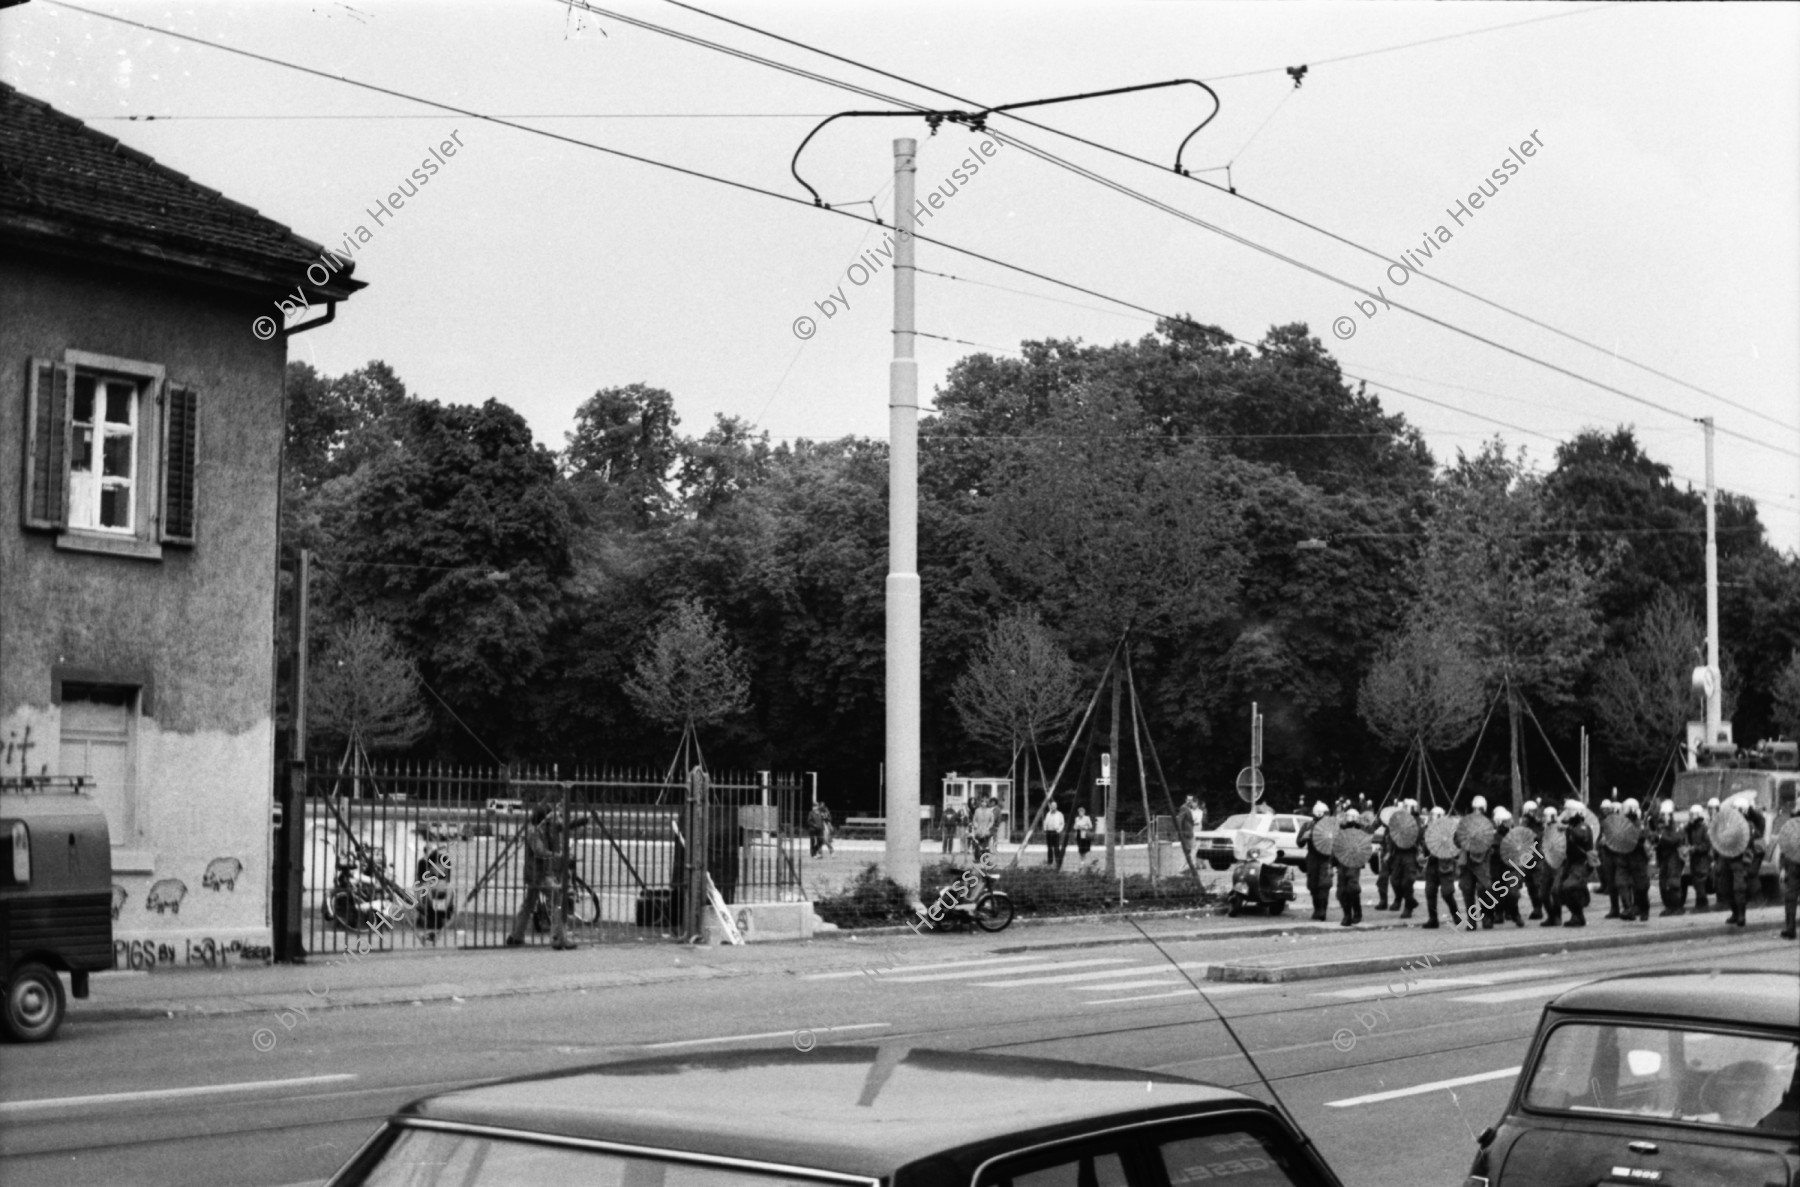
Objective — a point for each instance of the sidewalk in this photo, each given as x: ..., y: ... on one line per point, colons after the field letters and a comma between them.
x: 1240, y: 950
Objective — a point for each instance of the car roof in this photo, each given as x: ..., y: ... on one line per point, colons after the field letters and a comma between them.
x: 1756, y: 997
x: 855, y: 1109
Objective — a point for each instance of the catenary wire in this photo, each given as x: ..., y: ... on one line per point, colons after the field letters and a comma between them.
x: 739, y: 185
x: 1276, y: 211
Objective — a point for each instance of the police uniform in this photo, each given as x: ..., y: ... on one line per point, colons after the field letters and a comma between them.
x: 1668, y: 841
x: 1631, y: 874
x: 1318, y: 870
x: 1533, y: 823
x: 1741, y: 872
x: 1404, y: 864
x: 1349, y: 879
x: 1700, y: 860
x: 1571, y: 882
x: 1509, y: 879
x: 1475, y: 875
x: 1790, y: 897
x: 1440, y: 881
x: 1609, y: 866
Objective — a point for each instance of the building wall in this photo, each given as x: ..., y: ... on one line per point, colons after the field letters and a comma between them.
x: 193, y: 629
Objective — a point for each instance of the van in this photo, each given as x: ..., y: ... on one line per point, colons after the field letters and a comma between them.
x: 55, y: 900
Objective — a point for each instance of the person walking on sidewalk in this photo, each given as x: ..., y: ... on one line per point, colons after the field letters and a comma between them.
x: 1571, y: 884
x: 1053, y: 835
x: 1187, y: 822
x: 543, y: 878
x: 1084, y: 833
x: 815, y: 827
x: 827, y: 831
x: 1318, y: 865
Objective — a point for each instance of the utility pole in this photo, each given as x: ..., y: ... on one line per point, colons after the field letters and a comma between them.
x: 902, y: 806
x: 1714, y: 693
x: 1112, y: 786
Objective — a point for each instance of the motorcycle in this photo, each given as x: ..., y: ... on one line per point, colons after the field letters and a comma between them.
x: 1259, y: 884
x: 437, y: 906
x: 987, y: 908
x: 358, y: 893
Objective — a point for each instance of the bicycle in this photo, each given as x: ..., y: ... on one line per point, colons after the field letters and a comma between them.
x: 579, y: 902
x: 991, y: 910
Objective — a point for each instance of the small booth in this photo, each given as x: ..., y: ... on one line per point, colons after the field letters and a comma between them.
x: 964, y: 791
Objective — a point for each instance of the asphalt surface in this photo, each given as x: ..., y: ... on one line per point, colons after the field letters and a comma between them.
x: 162, y: 1078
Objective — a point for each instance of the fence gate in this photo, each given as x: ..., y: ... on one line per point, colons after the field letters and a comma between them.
x: 412, y: 856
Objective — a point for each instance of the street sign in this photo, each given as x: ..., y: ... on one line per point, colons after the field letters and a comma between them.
x: 1105, y: 767
x: 1250, y: 785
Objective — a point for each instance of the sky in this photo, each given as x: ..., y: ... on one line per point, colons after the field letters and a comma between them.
x: 1656, y: 214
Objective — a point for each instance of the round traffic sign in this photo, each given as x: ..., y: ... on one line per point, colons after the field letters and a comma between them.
x: 1250, y: 785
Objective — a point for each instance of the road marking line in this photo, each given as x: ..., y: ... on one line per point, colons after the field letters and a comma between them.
x: 1165, y: 982
x: 11, y: 1107
x: 1397, y: 1093
x: 1127, y: 971
x: 887, y: 970
x: 1146, y: 997
x: 1024, y: 968
x: 773, y: 1034
x: 1514, y: 995
x: 1363, y: 991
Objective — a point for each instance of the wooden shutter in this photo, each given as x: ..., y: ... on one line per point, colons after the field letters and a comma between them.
x: 47, y: 409
x: 180, y: 463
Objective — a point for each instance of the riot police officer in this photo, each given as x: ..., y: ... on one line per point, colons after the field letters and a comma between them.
x: 1318, y: 865
x: 1631, y: 870
x: 1349, y: 877
x: 1669, y: 840
x: 1440, y: 879
x: 1571, y: 883
x: 1506, y: 886
x: 1700, y: 856
x: 1475, y: 874
x: 1544, y: 876
x: 1741, y: 871
x: 1404, y: 860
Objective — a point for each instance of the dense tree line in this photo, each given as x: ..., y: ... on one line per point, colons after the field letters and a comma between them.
x: 1251, y: 527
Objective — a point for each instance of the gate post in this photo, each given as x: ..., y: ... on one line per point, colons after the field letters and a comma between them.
x: 290, y: 867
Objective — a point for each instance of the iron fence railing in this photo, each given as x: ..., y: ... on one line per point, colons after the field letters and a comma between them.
x: 405, y: 856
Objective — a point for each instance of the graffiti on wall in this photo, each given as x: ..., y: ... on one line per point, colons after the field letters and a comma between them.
x: 120, y: 896
x: 149, y: 955
x: 222, y: 872
x: 166, y: 895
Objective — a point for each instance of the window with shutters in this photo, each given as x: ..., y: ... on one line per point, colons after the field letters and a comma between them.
x: 111, y: 454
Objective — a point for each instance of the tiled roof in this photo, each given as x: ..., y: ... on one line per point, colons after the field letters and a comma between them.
x: 64, y: 185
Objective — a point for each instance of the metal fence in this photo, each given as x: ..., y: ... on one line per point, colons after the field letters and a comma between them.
x: 411, y: 856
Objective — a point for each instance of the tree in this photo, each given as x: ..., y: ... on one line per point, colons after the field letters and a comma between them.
x: 624, y: 446
x: 688, y: 673
x: 365, y: 689
x: 1493, y: 565
x: 1423, y: 689
x: 729, y: 460
x: 1021, y: 687
x: 1787, y: 697
x: 1643, y: 692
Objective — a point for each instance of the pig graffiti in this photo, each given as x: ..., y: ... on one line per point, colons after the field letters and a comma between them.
x: 166, y: 895
x: 222, y: 872
x: 120, y: 895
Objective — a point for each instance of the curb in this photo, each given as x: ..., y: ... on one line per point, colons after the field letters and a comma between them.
x: 1248, y: 933
x: 1362, y: 965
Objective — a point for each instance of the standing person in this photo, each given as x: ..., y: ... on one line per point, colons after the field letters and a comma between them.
x: 981, y: 829
x: 541, y: 881
x: 1440, y: 880
x: 1790, y: 896
x: 1700, y: 856
x: 1670, y: 839
x: 1544, y: 877
x: 1053, y: 835
x: 1741, y: 871
x: 1530, y: 820
x: 1609, y: 862
x: 1318, y: 865
x: 1185, y: 826
x: 1405, y: 859
x: 1571, y: 885
x: 1084, y: 833
x: 1507, y: 885
x: 1384, y: 867
x: 949, y: 823
x: 1349, y: 877
x: 825, y: 830
x: 815, y: 827
x: 1631, y: 871
x: 1473, y: 874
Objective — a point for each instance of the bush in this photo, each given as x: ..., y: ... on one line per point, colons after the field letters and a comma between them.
x: 871, y: 900
x: 874, y: 899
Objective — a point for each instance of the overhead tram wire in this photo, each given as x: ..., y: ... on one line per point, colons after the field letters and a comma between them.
x: 699, y: 174
x: 1274, y: 210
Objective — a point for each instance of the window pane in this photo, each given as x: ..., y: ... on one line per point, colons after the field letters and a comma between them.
x: 81, y: 451
x: 425, y: 1158
x: 118, y: 403
x: 1240, y: 1159
x: 116, y: 455
x: 1728, y: 1080
x: 84, y: 398
x: 115, y: 506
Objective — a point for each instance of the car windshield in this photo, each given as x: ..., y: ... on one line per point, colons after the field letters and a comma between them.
x: 1249, y: 820
x: 440, y: 1158
x: 1668, y: 1074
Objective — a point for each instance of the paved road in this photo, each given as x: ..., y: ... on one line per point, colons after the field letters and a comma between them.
x: 1391, y: 1086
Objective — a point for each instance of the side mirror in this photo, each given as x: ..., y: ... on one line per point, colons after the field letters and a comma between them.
x: 1486, y: 1137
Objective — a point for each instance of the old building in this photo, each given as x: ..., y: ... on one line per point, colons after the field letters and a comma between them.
x: 141, y: 428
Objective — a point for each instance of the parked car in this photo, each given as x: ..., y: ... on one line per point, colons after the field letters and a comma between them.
x: 1680, y: 1078
x: 1213, y: 845
x: 839, y: 1117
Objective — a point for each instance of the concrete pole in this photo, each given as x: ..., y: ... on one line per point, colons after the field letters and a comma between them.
x: 902, y: 807
x: 1112, y: 788
x: 1715, y: 696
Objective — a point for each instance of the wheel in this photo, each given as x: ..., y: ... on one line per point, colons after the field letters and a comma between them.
x: 346, y: 912
x: 1276, y: 908
x: 1219, y: 863
x: 583, y: 906
x: 993, y: 911
x: 34, y: 1003
x: 1233, y: 907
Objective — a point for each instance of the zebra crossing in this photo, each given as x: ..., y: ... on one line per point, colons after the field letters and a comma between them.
x: 1090, y: 978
